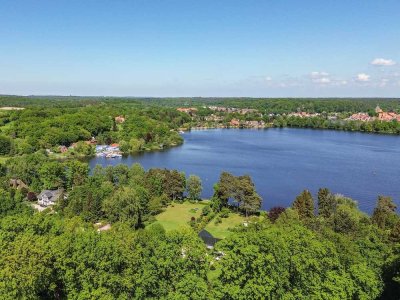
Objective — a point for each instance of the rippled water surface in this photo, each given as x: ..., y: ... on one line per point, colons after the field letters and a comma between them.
x: 283, y: 162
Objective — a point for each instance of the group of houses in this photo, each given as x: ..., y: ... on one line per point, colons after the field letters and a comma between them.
x: 303, y: 114
x: 246, y: 124
x: 364, y: 117
x: 241, y: 111
x: 380, y: 116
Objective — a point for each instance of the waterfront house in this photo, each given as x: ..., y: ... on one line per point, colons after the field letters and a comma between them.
x: 49, y: 197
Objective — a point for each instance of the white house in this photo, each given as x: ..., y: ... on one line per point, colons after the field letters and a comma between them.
x: 49, y: 197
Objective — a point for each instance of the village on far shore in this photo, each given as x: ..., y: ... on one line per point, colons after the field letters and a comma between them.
x: 230, y: 117
x: 380, y: 116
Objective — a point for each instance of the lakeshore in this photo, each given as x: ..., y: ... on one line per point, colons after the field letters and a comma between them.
x: 283, y: 162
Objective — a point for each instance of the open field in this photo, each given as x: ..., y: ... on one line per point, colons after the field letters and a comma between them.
x: 178, y: 215
x: 221, y: 230
x: 11, y: 108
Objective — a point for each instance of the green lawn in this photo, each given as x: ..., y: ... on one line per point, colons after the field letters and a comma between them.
x: 220, y: 230
x: 177, y: 215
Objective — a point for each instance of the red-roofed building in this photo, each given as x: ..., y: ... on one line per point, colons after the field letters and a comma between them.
x: 234, y: 123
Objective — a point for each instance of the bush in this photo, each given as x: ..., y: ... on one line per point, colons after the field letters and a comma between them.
x: 224, y: 213
x: 206, y: 210
x: 275, y: 212
x: 218, y: 221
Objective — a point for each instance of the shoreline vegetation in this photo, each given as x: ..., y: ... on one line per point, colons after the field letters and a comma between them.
x: 68, y: 127
x: 68, y: 232
x: 122, y: 219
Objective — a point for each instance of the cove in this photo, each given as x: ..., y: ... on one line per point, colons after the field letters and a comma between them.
x: 283, y: 162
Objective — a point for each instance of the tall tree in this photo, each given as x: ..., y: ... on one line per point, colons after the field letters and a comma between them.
x: 76, y: 173
x: 174, y: 185
x: 383, y: 211
x: 224, y: 189
x: 194, y: 187
x: 52, y: 175
x: 304, y: 204
x: 245, y: 194
x: 326, y: 203
x: 127, y: 205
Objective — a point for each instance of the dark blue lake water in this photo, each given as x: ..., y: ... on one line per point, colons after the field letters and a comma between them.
x: 283, y: 162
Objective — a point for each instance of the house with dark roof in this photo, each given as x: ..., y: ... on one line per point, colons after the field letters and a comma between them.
x: 49, y: 197
x: 208, y: 238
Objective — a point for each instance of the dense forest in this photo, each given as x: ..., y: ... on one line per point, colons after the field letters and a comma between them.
x: 46, y: 126
x: 274, y: 105
x: 103, y: 238
x: 322, y: 248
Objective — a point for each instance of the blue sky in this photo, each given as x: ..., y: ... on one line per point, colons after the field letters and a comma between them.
x: 201, y: 48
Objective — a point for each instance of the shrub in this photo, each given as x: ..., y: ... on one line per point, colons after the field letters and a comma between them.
x: 218, y: 221
x: 31, y: 196
x: 224, y: 213
x: 275, y: 212
x: 206, y: 210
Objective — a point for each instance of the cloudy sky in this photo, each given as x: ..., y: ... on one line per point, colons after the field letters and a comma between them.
x: 201, y: 48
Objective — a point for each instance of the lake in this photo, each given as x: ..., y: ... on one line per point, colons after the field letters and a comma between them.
x: 283, y: 162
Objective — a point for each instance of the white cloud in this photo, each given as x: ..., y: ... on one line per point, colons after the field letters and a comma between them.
x: 316, y: 74
x: 268, y: 78
x: 322, y: 80
x: 362, y: 77
x: 383, y: 62
x: 320, y: 77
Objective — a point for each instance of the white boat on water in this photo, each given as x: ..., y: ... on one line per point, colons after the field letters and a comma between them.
x: 113, y: 155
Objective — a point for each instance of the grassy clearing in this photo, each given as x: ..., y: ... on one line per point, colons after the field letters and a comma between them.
x: 221, y: 230
x: 177, y: 215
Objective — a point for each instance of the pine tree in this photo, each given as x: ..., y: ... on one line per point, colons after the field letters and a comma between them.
x: 304, y: 204
x: 384, y: 208
x: 326, y: 203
